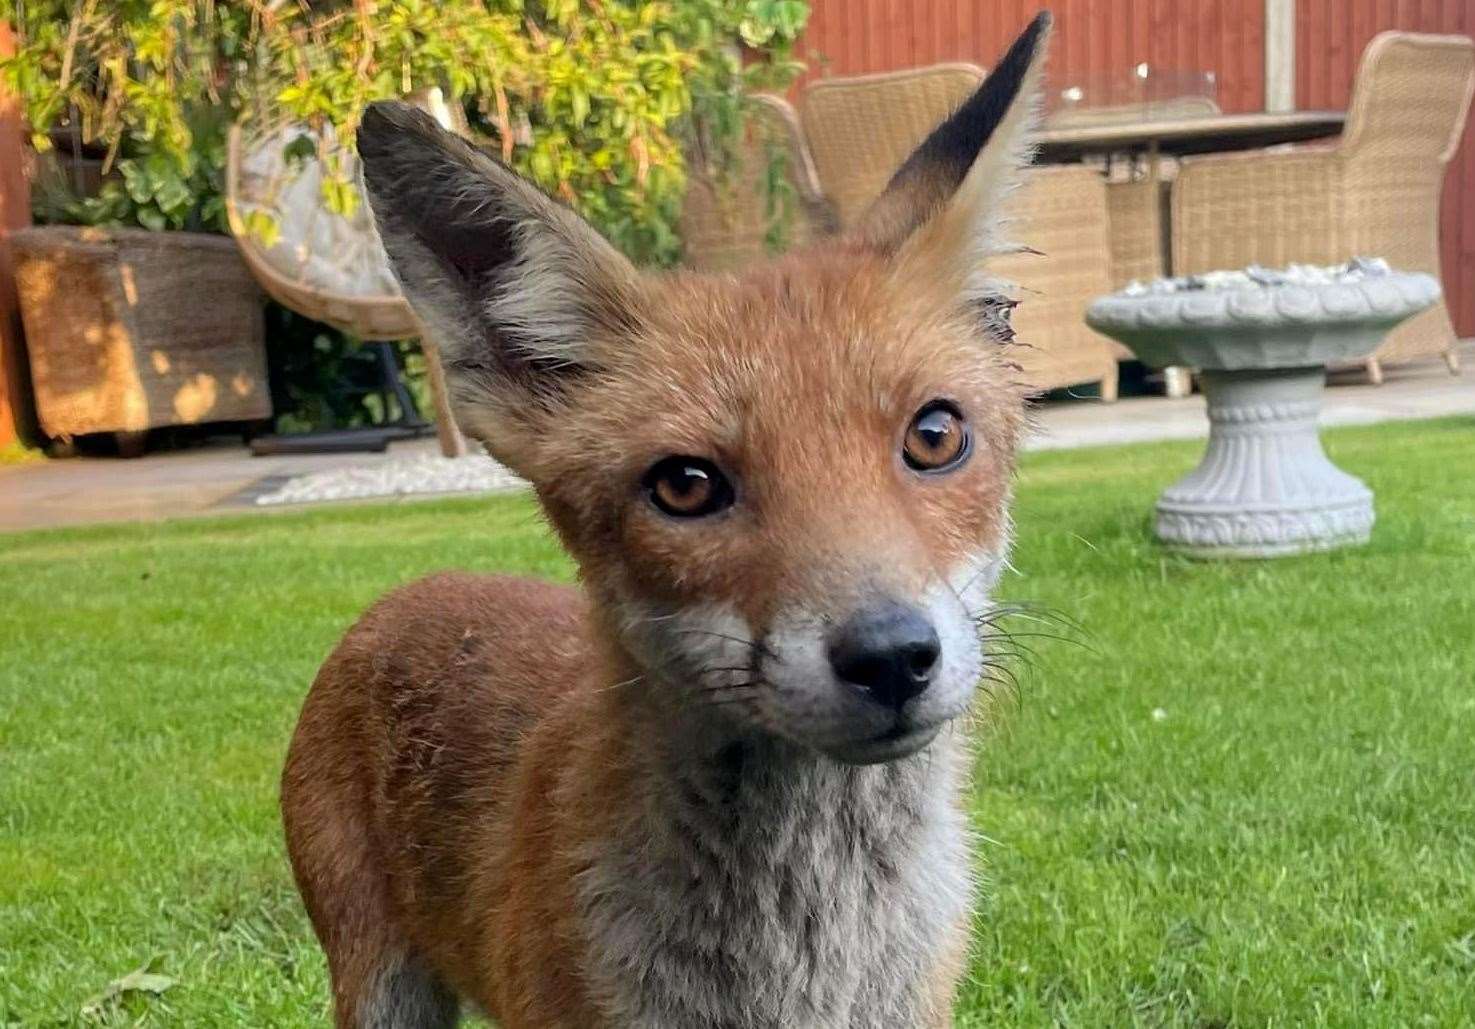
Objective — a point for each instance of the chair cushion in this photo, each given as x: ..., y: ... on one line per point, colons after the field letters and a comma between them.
x: 317, y: 247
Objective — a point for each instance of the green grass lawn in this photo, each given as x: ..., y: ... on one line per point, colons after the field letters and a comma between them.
x: 1250, y: 800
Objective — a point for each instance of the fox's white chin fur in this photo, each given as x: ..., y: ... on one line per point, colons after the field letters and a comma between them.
x: 779, y: 680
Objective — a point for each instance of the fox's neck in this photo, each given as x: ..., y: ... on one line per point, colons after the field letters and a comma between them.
x: 816, y: 889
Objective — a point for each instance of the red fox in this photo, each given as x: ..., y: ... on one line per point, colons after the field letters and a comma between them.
x: 720, y: 785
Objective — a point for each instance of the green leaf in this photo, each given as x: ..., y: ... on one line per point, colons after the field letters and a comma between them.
x: 303, y: 148
x: 264, y: 227
x: 173, y: 194
x: 136, y: 181
x: 152, y: 218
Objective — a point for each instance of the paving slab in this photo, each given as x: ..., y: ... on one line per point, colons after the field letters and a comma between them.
x: 222, y: 475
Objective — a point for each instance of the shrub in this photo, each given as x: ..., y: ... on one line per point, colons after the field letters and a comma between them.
x: 590, y: 98
x: 595, y: 100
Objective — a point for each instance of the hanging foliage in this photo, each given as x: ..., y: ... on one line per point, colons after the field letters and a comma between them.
x: 596, y: 100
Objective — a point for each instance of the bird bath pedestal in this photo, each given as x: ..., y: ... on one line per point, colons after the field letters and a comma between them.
x: 1265, y: 486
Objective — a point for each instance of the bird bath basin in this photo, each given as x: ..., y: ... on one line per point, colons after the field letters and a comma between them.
x: 1261, y: 342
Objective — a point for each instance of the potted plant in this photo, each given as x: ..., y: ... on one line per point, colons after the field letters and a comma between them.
x: 130, y: 327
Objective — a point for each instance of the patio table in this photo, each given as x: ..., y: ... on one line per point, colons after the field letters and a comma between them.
x: 1197, y: 135
x: 1177, y: 136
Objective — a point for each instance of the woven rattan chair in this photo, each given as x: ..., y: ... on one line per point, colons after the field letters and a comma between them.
x: 1134, y: 209
x: 351, y: 289
x: 1061, y: 212
x: 860, y: 129
x: 1376, y: 193
x: 726, y: 224
x: 1133, y: 198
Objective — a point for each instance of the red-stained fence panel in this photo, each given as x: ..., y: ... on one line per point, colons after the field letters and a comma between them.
x: 1095, y: 40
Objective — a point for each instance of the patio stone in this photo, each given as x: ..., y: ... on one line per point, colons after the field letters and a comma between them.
x: 224, y: 477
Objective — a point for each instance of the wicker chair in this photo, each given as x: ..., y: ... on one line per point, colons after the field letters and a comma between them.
x: 1061, y: 212
x: 352, y: 290
x: 860, y: 129
x: 1375, y: 193
x: 1134, y: 203
x: 726, y: 225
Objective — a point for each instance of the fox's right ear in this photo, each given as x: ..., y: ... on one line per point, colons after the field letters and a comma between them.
x: 511, y: 285
x: 940, y: 216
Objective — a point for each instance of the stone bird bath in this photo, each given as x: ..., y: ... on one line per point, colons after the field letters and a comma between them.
x: 1261, y: 341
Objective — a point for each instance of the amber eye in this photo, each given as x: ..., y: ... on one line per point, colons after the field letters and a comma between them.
x: 937, y: 439
x: 688, y: 487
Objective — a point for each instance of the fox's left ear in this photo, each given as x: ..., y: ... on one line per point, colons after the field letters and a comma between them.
x: 939, y: 217
x: 516, y: 289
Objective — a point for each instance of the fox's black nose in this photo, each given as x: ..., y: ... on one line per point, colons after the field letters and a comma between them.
x: 889, y: 649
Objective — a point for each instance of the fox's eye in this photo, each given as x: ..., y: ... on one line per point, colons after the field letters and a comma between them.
x: 688, y: 487
x: 937, y: 440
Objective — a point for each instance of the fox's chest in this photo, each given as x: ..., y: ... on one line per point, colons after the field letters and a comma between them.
x: 832, y: 913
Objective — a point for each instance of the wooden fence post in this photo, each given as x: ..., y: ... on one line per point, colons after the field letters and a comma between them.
x: 17, y: 414
x: 1280, y: 55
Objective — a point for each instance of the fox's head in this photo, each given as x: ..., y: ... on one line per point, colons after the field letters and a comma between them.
x: 786, y: 489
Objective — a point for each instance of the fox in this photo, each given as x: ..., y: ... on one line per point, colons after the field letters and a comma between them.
x: 720, y: 782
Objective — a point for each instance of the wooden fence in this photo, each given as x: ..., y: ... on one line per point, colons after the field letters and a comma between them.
x: 1100, y: 38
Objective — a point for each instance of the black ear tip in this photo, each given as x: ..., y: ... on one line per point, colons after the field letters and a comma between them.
x: 385, y: 121
x: 1035, y: 32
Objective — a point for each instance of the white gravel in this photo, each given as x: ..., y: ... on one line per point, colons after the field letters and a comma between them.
x: 397, y: 477
x: 1355, y: 270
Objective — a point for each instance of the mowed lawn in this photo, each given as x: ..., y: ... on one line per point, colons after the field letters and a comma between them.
x: 1247, y: 798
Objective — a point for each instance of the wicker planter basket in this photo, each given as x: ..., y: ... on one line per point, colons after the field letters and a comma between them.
x: 129, y: 330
